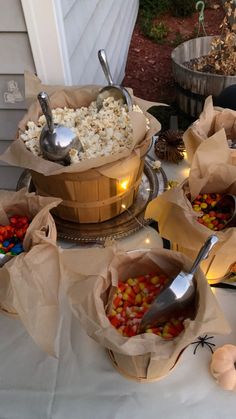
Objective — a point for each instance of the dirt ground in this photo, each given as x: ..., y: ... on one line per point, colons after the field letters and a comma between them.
x: 148, y: 69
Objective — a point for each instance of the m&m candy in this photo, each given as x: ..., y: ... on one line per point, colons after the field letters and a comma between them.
x: 133, y: 298
x: 209, y: 215
x: 12, y: 235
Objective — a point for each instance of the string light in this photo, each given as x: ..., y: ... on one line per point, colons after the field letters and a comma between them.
x: 147, y: 238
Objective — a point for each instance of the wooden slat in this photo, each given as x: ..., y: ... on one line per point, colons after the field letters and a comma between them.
x: 12, y: 91
x: 15, y: 53
x: 9, y: 176
x: 9, y: 120
x: 11, y: 16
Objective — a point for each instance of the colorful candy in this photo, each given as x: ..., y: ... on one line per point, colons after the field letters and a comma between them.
x: 214, y: 219
x: 12, y: 235
x: 133, y: 298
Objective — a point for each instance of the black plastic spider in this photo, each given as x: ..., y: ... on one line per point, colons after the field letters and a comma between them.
x: 203, y: 341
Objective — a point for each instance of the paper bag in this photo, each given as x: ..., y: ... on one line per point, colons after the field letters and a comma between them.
x: 29, y: 282
x: 212, y: 171
x: 211, y: 120
x: 90, y: 287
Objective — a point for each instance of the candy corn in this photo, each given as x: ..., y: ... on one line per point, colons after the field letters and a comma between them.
x: 133, y: 298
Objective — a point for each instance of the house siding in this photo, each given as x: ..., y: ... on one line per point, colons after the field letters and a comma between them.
x: 16, y: 56
x: 90, y: 25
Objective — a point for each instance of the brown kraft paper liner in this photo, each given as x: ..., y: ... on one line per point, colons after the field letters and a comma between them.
x: 211, y: 120
x: 90, y: 288
x: 29, y: 282
x: 212, y: 171
x: 18, y: 155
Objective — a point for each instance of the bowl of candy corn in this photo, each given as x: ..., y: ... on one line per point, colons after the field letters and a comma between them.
x: 137, y: 277
x: 132, y: 299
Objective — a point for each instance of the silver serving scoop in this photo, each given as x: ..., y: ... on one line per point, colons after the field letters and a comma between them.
x: 179, y: 295
x: 112, y: 90
x: 5, y: 258
x: 55, y: 140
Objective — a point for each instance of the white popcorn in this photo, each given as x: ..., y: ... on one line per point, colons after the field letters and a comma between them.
x: 156, y: 164
x: 102, y: 133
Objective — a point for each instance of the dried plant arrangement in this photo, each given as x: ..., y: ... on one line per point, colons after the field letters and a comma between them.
x: 221, y: 59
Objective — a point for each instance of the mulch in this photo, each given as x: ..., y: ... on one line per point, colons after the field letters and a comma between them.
x: 148, y: 69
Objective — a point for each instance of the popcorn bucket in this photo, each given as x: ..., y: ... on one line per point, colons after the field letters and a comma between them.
x: 94, y: 187
x: 91, y: 196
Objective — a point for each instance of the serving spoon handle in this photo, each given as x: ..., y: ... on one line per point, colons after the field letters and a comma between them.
x: 204, y: 252
x: 105, y: 66
x: 46, y: 109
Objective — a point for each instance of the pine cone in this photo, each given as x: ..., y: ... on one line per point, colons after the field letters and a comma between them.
x: 170, y: 146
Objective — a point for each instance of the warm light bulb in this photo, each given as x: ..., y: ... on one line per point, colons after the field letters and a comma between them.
x: 124, y: 184
x: 123, y: 206
x: 147, y: 239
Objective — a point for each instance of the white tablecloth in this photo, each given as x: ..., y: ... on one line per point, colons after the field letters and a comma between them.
x: 82, y: 383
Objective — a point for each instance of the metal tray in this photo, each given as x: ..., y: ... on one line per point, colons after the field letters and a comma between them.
x: 153, y: 183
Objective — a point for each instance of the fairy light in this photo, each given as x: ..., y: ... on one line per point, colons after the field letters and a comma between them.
x: 147, y: 238
x: 124, y: 183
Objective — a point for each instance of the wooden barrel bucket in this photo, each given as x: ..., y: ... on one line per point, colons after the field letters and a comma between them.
x: 91, y: 197
x: 192, y: 87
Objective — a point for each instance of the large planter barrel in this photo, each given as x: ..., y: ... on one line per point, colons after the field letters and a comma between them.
x: 194, y: 86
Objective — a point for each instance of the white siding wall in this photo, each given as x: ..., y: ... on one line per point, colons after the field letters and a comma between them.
x: 90, y: 25
x: 59, y: 41
x: 16, y: 56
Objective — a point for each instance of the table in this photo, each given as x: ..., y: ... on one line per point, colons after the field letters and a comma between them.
x: 82, y: 383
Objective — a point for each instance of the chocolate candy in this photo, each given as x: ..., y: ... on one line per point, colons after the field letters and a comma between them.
x: 204, y: 204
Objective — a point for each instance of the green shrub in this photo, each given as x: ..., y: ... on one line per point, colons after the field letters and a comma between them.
x: 155, y: 31
x: 158, y: 32
x: 154, y: 7
x: 182, y: 8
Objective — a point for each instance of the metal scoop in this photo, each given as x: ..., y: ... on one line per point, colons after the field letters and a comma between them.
x: 112, y: 90
x: 55, y: 139
x: 4, y: 259
x: 179, y: 295
x: 227, y: 204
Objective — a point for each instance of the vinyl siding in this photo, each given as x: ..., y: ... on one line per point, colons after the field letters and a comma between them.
x: 16, y: 56
x: 90, y: 25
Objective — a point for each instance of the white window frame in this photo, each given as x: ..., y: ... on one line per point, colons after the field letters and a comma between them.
x: 45, y: 26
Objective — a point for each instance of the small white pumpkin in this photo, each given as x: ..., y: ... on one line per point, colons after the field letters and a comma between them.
x: 223, y: 366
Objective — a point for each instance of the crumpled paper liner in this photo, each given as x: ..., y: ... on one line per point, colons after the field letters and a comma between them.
x: 18, y: 155
x: 29, y: 282
x: 91, y: 189
x: 211, y: 120
x: 212, y: 171
x: 90, y: 286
